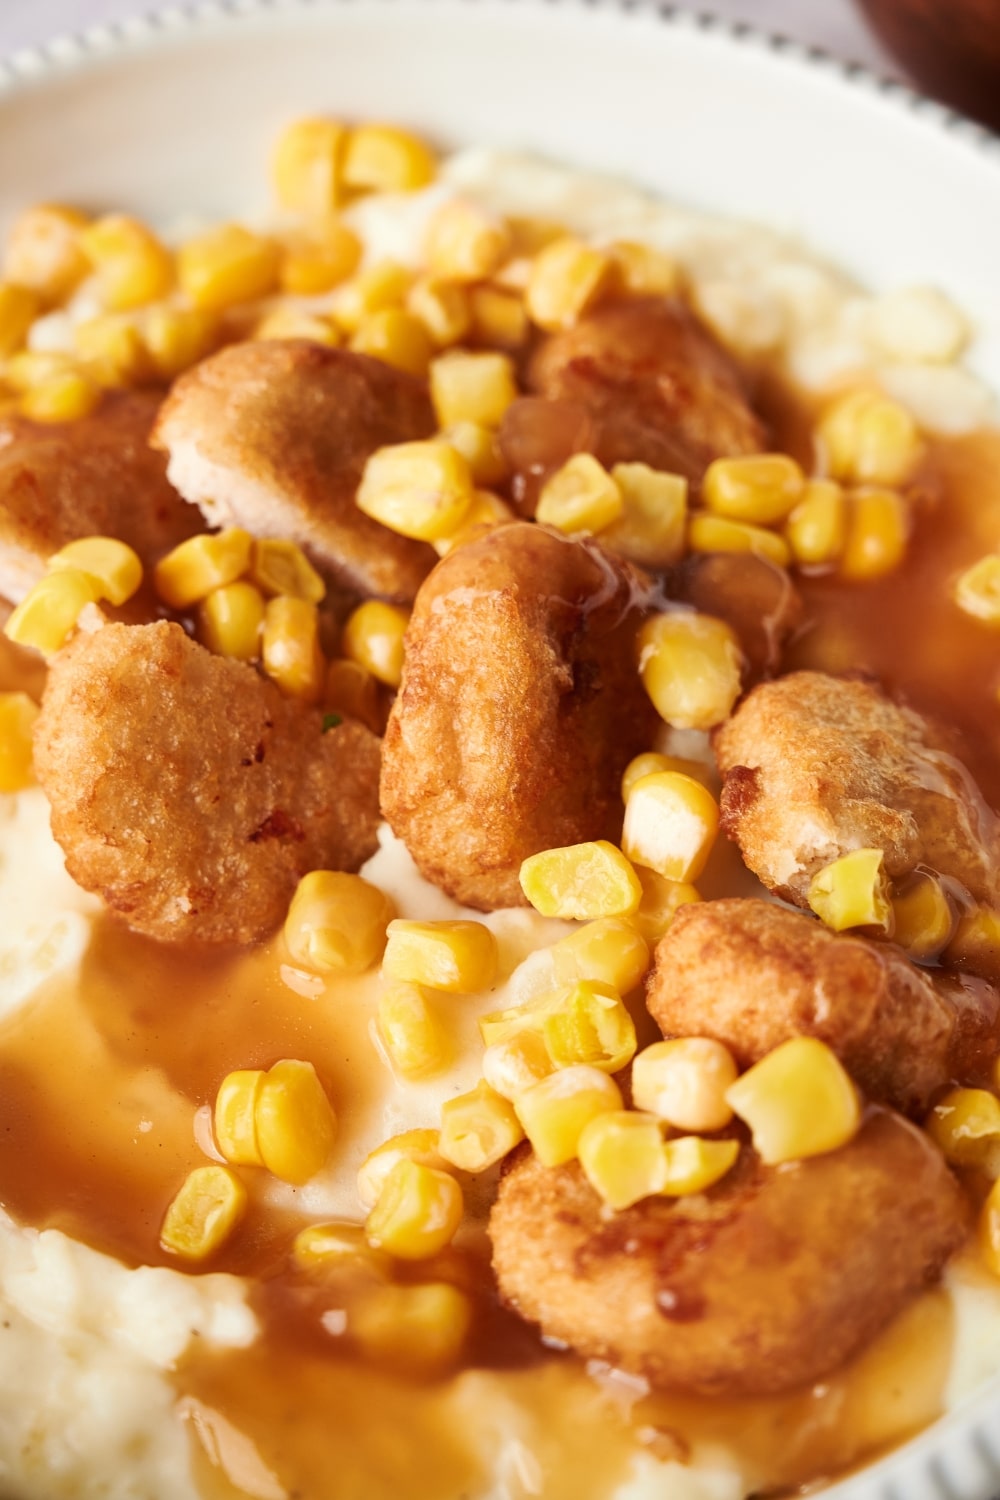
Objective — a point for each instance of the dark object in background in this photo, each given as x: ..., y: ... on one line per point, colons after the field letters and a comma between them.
x: 950, y: 47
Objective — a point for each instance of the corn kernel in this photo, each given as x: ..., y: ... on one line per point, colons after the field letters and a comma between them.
x: 193, y: 569
x: 385, y: 159
x: 465, y: 243
x: 661, y: 899
x: 567, y: 278
x: 694, y: 1165
x: 478, y: 446
x: 63, y: 397
x: 231, y: 619
x: 798, y: 1101
x: 397, y: 338
x: 459, y: 957
x: 989, y: 1230
x: 590, y: 1025
x: 652, y: 526
x: 281, y: 567
x: 339, y: 1246
x: 580, y: 496
x: 965, y: 1126
x: 581, y: 881
x: 19, y: 306
x: 478, y: 1129
x: 132, y: 266
x: 292, y: 323
x: 499, y: 317
x: 113, y: 352
x: 17, y: 722
x: 761, y: 488
x: 977, y: 590
x: 234, y: 1118
x: 976, y: 943
x: 621, y: 1153
x: 178, y: 337
x: 923, y: 921
x: 31, y: 367
x: 709, y: 533
x: 353, y: 692
x: 816, y: 530
x: 290, y: 651
x: 671, y: 822
x: 47, y: 616
x: 487, y: 510
x: 306, y: 165
x: 691, y: 666
x: 684, y: 1082
x: 112, y: 563
x: 853, y: 892
x: 411, y: 1033
x: 442, y: 307
x: 296, y: 1125
x: 651, y: 761
x: 337, y: 922
x: 204, y: 1213
x: 878, y: 529
x: 227, y: 265
x: 321, y: 260
x: 417, y: 1213
x: 642, y: 270
x: 502, y: 1025
x: 555, y: 1111
x: 43, y: 251
x: 383, y: 285
x: 420, y: 1146
x: 472, y: 388
x: 421, y: 490
x: 512, y: 1065
x: 609, y: 951
x: 529, y: 234
x: 866, y: 438
x: 419, y: 1329
x: 373, y: 637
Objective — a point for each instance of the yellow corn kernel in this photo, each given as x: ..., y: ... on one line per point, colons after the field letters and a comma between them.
x: 580, y: 496
x: 231, y: 619
x: 290, y: 650
x: 374, y: 636
x: 529, y: 234
x: 709, y: 533
x: 487, y: 510
x: 976, y: 943
x: 385, y: 284
x: 193, y: 569
x: 460, y: 957
x: 338, y: 1246
x: 353, y: 692
x: 694, y: 1164
x: 567, y: 277
x: 112, y: 563
x: 227, y: 265
x: 965, y: 1126
x: 421, y: 490
x: 306, y: 165
x: 397, y: 338
x: 47, y: 616
x: 642, y: 270
x: 31, y: 367
x: 816, y: 530
x: 499, y: 317
x: 472, y: 388
x: 337, y: 922
x: 43, y: 251
x: 684, y: 1082
x: 923, y: 921
x: 989, y: 1230
x: 866, y: 438
x: 977, y: 590
x: 581, y: 881
x: 178, y: 337
x: 502, y: 1025
x: 512, y: 1065
x: 878, y: 529
x: 478, y: 1129
x: 113, y: 351
x: 19, y: 307
x: 465, y: 242
x: 555, y: 1111
x: 651, y: 761
x: 385, y: 159
x: 442, y: 307
x: 853, y: 891
x: 17, y: 722
x: 671, y: 822
x: 590, y: 1025
x: 411, y: 1033
x: 203, y: 1215
x: 419, y: 1329
x: 296, y: 1125
x: 234, y: 1118
x: 293, y: 323
x: 798, y: 1101
x: 281, y: 567
x: 691, y: 666
x: 132, y: 265
x: 761, y: 488
x: 621, y: 1153
x: 652, y: 526
x: 609, y: 951
x: 420, y: 1146
x: 660, y: 900
x: 321, y: 260
x: 417, y: 1212
x: 63, y: 397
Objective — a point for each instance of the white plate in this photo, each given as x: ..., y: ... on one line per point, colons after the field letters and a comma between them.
x: 176, y: 114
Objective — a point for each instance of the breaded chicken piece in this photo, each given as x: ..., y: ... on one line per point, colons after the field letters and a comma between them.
x: 768, y: 1281
x: 752, y: 975
x: 758, y: 600
x: 93, y: 477
x: 273, y: 436
x: 520, y: 707
x: 815, y: 766
x: 187, y: 792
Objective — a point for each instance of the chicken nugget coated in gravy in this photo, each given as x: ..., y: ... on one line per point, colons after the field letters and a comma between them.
x: 815, y: 766
x: 520, y: 706
x: 752, y: 975
x: 768, y: 1281
x: 273, y: 436
x: 187, y: 792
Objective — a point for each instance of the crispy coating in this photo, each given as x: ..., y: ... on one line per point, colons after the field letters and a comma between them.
x: 769, y: 1281
x: 273, y: 436
x: 187, y: 792
x: 520, y: 707
x: 758, y: 600
x: 815, y: 766
x: 93, y: 477
x: 752, y: 974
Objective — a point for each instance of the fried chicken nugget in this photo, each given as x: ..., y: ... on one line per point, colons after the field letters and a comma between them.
x: 768, y: 1281
x: 187, y: 792
x: 815, y: 766
x: 274, y: 435
x: 93, y: 477
x: 752, y: 975
x: 520, y: 707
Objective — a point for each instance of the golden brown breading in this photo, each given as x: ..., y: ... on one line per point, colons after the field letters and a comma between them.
x: 188, y: 792
x: 753, y: 974
x: 757, y: 599
x: 520, y: 707
x: 770, y: 1280
x: 816, y: 766
x: 273, y: 436
x: 93, y: 477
